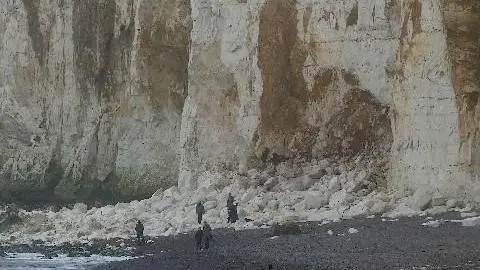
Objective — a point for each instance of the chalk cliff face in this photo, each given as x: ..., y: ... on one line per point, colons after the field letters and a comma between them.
x: 119, y: 98
x: 92, y: 96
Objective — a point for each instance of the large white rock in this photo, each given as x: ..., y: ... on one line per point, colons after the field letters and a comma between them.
x: 252, y: 173
x: 339, y: 198
x: 361, y: 208
x: 288, y: 170
x: 314, y: 171
x: 438, y: 200
x: 212, y: 214
x: 258, y: 202
x: 435, y: 210
x: 251, y: 208
x: 210, y: 205
x: 323, y: 163
x: 81, y: 208
x: 315, y: 200
x: 272, y: 205
x: 270, y: 183
x: 334, y: 184
x: 352, y: 230
x: 248, y: 195
x: 299, y: 207
x: 421, y: 199
x: 172, y: 193
x: 239, y: 183
x: 378, y: 207
x: 300, y: 183
x: 160, y: 205
x: 451, y: 203
x: 259, y: 179
x: 353, y: 186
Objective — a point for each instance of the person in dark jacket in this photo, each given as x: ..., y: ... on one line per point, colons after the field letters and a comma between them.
x: 207, y: 234
x: 234, y: 213
x: 198, y: 239
x: 230, y: 207
x: 139, y: 229
x: 230, y: 200
x: 200, y: 211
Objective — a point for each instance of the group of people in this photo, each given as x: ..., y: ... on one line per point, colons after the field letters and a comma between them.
x: 231, y: 208
x: 204, y: 234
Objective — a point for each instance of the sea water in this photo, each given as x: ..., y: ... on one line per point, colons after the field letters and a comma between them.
x: 27, y: 261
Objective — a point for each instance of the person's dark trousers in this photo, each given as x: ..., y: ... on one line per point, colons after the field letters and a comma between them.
x: 140, y: 238
x: 199, y: 245
x: 199, y: 219
x: 207, y: 244
x: 230, y: 216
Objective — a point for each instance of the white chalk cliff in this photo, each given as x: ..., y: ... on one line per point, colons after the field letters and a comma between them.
x: 118, y: 98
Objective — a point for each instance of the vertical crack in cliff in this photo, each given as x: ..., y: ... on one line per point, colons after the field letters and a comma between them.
x: 93, y: 36
x: 413, y: 14
x: 88, y: 184
x: 352, y: 18
x: 54, y: 171
x: 85, y: 16
x: 462, y: 22
x: 392, y: 10
x: 107, y: 52
x: 115, y: 59
x: 39, y: 41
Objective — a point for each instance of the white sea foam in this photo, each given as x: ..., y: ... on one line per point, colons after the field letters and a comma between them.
x: 25, y: 261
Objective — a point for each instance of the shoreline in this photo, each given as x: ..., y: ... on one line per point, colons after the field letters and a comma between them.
x: 373, y: 242
x: 361, y: 243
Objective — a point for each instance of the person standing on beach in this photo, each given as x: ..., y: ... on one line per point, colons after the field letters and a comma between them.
x: 234, y: 213
x: 207, y: 234
x: 200, y: 211
x: 139, y: 229
x: 230, y: 207
x: 198, y: 239
x: 230, y: 200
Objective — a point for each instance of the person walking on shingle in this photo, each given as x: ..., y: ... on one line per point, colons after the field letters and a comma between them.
x: 198, y: 239
x: 207, y: 234
x: 139, y: 229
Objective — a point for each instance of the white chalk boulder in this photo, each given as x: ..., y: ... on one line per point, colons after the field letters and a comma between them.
x: 421, y: 199
x: 315, y: 200
x: 339, y: 199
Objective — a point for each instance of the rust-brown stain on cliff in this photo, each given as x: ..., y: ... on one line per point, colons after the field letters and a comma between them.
x: 281, y: 61
x: 285, y: 97
x: 324, y: 79
x: 163, y: 48
x: 462, y: 21
x: 361, y: 124
x: 413, y: 13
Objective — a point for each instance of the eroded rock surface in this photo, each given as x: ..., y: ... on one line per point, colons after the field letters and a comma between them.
x: 118, y: 98
x: 92, y: 96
